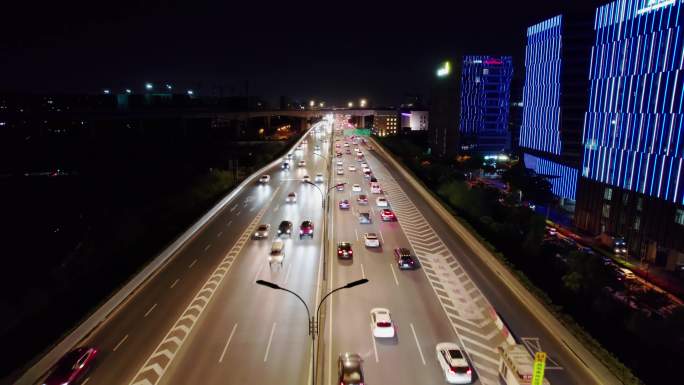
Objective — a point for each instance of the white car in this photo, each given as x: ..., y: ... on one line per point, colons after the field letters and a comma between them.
x: 262, y: 231
x: 291, y: 197
x: 371, y: 240
x: 319, y: 178
x: 264, y: 179
x: 356, y: 187
x: 364, y: 165
x: 340, y: 171
x: 302, y: 163
x: 383, y: 327
x: 381, y: 202
x: 306, y: 178
x: 454, y: 364
x: 276, y: 255
x: 339, y: 163
x: 352, y: 168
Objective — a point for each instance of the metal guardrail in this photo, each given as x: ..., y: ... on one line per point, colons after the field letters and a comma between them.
x: 38, y: 370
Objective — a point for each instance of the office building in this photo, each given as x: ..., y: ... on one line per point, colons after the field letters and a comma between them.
x: 631, y: 175
x: 485, y: 94
x: 555, y: 98
x: 444, y: 111
x: 385, y: 123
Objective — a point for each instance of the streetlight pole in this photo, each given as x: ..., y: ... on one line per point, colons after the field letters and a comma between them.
x: 313, y: 323
x: 324, y: 194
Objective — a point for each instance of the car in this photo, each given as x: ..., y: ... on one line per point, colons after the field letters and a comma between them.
x: 381, y: 202
x: 338, y: 154
x: 375, y: 188
x: 349, y: 369
x: 339, y: 163
x: 453, y: 363
x: 344, y: 250
x: 625, y: 274
x: 285, y: 228
x: 404, y: 258
x: 264, y: 179
x: 306, y: 229
x: 365, y: 218
x: 364, y: 165
x: 383, y: 327
x: 290, y: 155
x: 356, y: 187
x: 387, y: 215
x: 371, y: 240
x: 340, y: 171
x: 301, y: 163
x: 72, y: 367
x: 306, y: 179
x: 344, y: 204
x: 285, y: 165
x: 362, y: 199
x: 339, y: 186
x: 346, y: 145
x: 352, y: 168
x: 319, y: 178
x: 552, y: 231
x: 373, y: 180
x: 620, y: 246
x: 367, y: 174
x: 291, y: 197
x: 262, y: 231
x: 347, y: 151
x: 276, y: 255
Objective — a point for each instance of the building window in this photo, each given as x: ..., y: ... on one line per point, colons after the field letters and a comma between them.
x: 640, y: 203
x: 608, y: 193
x: 625, y: 198
x: 679, y: 217
x: 606, y: 210
x: 637, y: 223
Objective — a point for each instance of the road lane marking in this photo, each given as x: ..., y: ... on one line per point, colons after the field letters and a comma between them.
x: 207, y: 247
x: 219, y: 234
x: 357, y: 234
x: 238, y: 213
x: 287, y: 275
x: 233, y: 208
x: 415, y: 337
x: 375, y: 348
x: 229, y: 222
x: 270, y: 338
x: 276, y: 208
x: 230, y: 337
x: 381, y: 237
x: 85, y: 381
x: 120, y: 342
x: 174, y: 283
x: 150, y: 310
x: 363, y: 272
x: 394, y: 274
x: 192, y: 264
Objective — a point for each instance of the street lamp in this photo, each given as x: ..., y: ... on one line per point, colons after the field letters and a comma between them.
x: 350, y: 104
x: 312, y: 103
x: 363, y: 103
x: 323, y: 195
x: 148, y: 86
x: 313, y: 323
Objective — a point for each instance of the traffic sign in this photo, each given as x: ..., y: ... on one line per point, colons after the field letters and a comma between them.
x: 538, y: 371
x: 357, y: 132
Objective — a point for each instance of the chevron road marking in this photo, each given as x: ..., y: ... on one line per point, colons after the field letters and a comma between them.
x: 154, y: 368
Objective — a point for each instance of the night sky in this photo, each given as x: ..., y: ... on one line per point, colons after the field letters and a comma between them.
x: 334, y: 51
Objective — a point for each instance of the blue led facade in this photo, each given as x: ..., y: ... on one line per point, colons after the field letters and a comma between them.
x: 485, y: 98
x: 563, y: 178
x: 632, y: 128
x: 541, y: 95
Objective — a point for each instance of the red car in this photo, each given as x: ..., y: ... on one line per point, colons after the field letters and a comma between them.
x: 340, y: 187
x: 306, y: 229
x: 387, y: 215
x: 72, y: 368
x: 344, y: 250
x: 344, y: 204
x: 362, y: 199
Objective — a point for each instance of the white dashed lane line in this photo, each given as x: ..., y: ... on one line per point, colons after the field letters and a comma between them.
x: 174, y: 283
x: 394, y: 274
x: 420, y: 351
x: 192, y: 264
x: 268, y: 347
x: 207, y: 247
x: 150, y: 310
x: 230, y: 337
x: 219, y: 234
x: 120, y: 342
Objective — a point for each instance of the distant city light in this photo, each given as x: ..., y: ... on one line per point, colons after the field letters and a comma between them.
x: 350, y: 104
x: 321, y: 104
x: 106, y: 92
x: 311, y: 103
x: 168, y: 86
x: 363, y: 103
x: 191, y: 92
x: 444, y: 70
x: 148, y: 86
x: 128, y: 90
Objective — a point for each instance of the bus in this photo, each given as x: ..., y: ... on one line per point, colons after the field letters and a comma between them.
x: 516, y: 365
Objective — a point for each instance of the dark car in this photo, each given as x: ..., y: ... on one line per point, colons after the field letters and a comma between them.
x: 344, y: 204
x: 404, y: 258
x: 73, y: 367
x: 349, y: 369
x: 344, y: 250
x: 306, y: 229
x: 285, y: 166
x: 285, y: 228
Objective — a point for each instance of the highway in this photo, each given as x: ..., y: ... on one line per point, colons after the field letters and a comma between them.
x: 202, y: 319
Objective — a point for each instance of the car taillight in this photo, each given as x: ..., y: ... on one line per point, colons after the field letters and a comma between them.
x: 351, y: 252
x: 339, y: 252
x: 301, y: 231
x: 469, y: 371
x: 384, y: 324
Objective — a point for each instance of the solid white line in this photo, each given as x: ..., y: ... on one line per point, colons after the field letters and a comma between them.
x: 375, y: 348
x: 394, y: 274
x: 287, y: 275
x: 276, y: 208
x: 174, y: 283
x: 422, y: 358
x: 268, y: 347
x: 219, y: 234
x: 363, y: 272
x: 192, y: 264
x: 150, y: 311
x: 120, y: 342
x: 233, y: 208
x: 207, y: 247
x: 225, y: 348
